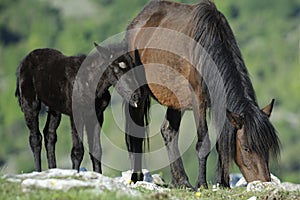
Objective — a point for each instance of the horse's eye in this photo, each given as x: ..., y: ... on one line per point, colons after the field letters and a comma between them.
x: 122, y: 65
x: 246, y: 149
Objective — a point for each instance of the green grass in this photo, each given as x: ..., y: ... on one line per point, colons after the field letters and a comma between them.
x: 9, y: 190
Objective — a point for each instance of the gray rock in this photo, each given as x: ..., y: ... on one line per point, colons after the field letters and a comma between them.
x: 148, y: 177
x: 237, y: 180
x: 286, y: 186
x: 62, y: 179
x: 259, y: 186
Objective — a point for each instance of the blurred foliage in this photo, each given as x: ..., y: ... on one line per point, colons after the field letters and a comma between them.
x: 267, y: 32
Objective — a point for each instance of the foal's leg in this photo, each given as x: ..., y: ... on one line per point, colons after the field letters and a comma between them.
x: 93, y: 128
x: 203, y: 143
x: 170, y: 133
x: 93, y: 136
x: 77, y: 139
x: 50, y: 137
x: 31, y: 111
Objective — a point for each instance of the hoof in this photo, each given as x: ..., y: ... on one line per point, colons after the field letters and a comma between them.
x: 183, y: 184
x: 137, y: 176
x: 202, y: 185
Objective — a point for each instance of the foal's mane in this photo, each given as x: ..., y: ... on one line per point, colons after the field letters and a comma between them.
x: 213, y: 33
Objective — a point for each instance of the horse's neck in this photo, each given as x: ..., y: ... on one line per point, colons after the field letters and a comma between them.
x: 102, y: 86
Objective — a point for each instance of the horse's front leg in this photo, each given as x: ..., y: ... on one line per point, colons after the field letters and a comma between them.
x: 203, y: 143
x: 135, y: 134
x: 223, y: 160
x: 170, y: 133
x: 50, y: 136
x: 93, y: 128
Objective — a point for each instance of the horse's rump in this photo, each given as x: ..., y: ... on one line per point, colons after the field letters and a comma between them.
x: 48, y: 75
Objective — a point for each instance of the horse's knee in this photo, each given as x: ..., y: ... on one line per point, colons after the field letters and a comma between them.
x: 35, y: 141
x: 50, y: 137
x: 168, y: 132
x: 203, y: 147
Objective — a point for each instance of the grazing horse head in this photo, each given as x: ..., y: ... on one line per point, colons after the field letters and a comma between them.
x: 253, y: 145
x: 119, y: 72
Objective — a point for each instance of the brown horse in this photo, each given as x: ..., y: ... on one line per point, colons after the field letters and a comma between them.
x: 192, y: 61
x: 49, y: 77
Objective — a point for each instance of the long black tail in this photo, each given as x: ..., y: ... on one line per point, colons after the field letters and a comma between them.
x: 23, y: 72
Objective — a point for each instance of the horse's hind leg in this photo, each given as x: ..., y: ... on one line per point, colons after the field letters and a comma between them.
x: 170, y: 133
x: 50, y: 137
x: 77, y: 139
x: 31, y: 112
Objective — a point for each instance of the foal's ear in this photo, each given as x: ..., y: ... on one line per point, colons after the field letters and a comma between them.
x: 235, y: 120
x: 268, y: 109
x: 105, y: 53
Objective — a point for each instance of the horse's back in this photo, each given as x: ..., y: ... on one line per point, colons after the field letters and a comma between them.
x: 164, y: 14
x: 48, y: 75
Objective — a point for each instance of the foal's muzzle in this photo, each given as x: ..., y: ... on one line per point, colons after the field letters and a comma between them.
x: 135, y: 99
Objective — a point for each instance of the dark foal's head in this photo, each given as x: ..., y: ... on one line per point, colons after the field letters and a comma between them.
x: 119, y: 72
x: 254, y: 141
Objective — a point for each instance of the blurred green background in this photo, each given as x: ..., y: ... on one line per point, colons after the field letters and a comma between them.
x: 268, y: 33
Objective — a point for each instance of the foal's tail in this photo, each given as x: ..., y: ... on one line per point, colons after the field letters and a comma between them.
x: 18, y: 89
x: 24, y: 66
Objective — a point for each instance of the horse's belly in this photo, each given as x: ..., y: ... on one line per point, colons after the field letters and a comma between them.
x: 168, y: 86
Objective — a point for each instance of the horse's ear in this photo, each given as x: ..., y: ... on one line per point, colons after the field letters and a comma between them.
x: 268, y: 109
x: 137, y: 58
x: 104, y: 52
x: 235, y: 120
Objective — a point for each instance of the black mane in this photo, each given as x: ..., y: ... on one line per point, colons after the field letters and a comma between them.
x: 214, y: 34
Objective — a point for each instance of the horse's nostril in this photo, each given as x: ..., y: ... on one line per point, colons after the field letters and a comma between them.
x: 135, y: 97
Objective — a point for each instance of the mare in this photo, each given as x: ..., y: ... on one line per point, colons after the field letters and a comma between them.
x: 192, y: 62
x: 47, y: 76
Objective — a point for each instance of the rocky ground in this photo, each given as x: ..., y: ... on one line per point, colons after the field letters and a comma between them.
x: 63, y: 179
x: 237, y: 180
